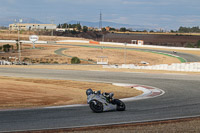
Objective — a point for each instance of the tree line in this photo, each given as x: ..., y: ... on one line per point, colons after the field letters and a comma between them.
x: 75, y: 26
x: 189, y: 29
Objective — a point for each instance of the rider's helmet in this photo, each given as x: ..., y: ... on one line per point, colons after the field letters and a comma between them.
x: 89, y: 92
x: 111, y: 95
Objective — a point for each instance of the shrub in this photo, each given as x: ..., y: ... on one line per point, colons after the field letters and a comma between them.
x: 6, y: 47
x: 55, y: 62
x: 198, y: 44
x: 75, y: 60
x: 190, y: 45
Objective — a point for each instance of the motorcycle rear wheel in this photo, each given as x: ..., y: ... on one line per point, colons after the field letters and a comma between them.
x: 96, y: 106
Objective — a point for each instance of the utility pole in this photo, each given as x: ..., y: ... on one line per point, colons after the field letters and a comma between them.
x: 100, y: 21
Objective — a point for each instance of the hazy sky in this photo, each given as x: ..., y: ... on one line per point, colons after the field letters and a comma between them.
x: 169, y: 14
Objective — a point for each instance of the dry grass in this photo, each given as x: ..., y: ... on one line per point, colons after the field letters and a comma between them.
x: 42, y: 54
x: 14, y: 36
x: 45, y: 54
x: 24, y: 92
x: 116, y: 56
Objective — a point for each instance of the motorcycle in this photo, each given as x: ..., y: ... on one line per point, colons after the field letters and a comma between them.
x: 99, y: 103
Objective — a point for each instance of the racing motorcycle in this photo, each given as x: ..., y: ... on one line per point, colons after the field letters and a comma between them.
x: 100, y: 102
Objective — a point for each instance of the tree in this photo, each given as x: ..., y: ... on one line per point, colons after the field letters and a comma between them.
x: 75, y: 60
x: 6, y: 47
x: 172, y: 31
x: 85, y: 28
x: 65, y: 25
x: 123, y: 29
x: 188, y: 29
x: 78, y: 26
x: 1, y: 47
x: 70, y: 26
x: 103, y: 29
x: 112, y: 29
x: 59, y: 26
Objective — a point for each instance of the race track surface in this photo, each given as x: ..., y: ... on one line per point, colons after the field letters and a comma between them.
x: 181, y: 99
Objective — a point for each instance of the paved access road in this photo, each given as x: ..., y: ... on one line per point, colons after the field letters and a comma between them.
x: 181, y: 99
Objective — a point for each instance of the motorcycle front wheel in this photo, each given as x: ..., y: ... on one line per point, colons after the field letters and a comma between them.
x: 120, y: 105
x: 96, y: 106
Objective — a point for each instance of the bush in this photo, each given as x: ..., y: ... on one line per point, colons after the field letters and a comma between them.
x: 75, y: 60
x: 190, y: 45
x: 6, y: 47
x: 198, y: 44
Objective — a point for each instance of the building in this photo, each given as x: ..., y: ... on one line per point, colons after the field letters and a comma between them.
x: 29, y: 26
x: 137, y: 42
x: 107, y: 28
x: 66, y: 29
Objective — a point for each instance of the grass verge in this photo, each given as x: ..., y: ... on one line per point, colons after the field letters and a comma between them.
x: 28, y: 93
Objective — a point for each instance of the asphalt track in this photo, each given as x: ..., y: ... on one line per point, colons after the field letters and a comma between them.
x: 181, y: 99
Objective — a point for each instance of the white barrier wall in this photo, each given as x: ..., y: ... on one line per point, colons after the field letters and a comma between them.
x: 14, y: 41
x: 8, y: 41
x: 111, y: 43
x: 77, y: 41
x: 150, y: 46
x: 186, y: 67
x: 3, y: 62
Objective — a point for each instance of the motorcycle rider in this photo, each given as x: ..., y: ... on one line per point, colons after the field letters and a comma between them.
x: 108, y: 96
x: 89, y: 92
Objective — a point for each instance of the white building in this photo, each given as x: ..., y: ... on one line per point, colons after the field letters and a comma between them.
x: 29, y: 26
x: 137, y: 42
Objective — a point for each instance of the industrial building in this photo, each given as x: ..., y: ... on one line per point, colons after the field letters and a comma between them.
x: 29, y: 26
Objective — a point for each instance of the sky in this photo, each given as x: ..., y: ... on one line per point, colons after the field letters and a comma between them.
x: 165, y: 14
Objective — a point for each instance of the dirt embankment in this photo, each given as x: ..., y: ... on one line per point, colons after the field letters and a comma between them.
x: 42, y: 37
x: 153, y: 39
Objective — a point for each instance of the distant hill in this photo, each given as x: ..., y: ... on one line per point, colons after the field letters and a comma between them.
x: 5, y: 21
x: 112, y: 24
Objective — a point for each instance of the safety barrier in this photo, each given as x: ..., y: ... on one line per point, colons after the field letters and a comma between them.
x: 150, y: 46
x: 93, y: 42
x: 186, y: 67
x: 75, y: 41
x: 14, y: 41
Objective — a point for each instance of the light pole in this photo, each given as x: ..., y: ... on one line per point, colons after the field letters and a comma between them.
x: 125, y: 52
x: 19, y: 47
